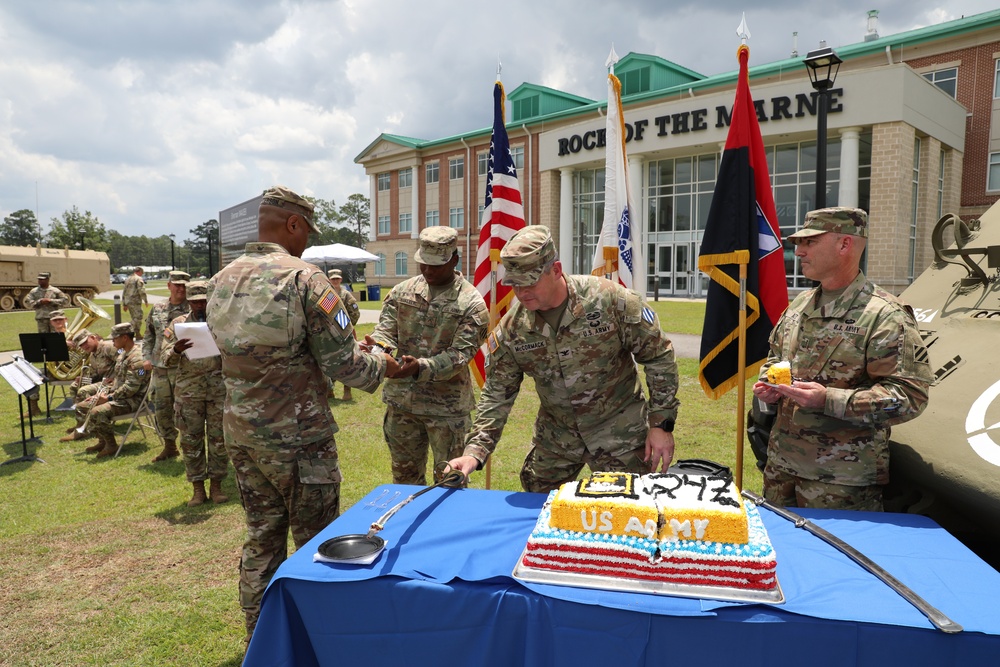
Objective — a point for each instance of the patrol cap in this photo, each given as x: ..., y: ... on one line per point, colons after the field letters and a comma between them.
x: 44, y: 275
x: 57, y: 314
x: 334, y: 273
x: 837, y: 219
x: 179, y: 277
x: 197, y: 290
x: 80, y: 337
x: 282, y: 197
x: 122, y: 329
x: 526, y: 255
x: 437, y: 245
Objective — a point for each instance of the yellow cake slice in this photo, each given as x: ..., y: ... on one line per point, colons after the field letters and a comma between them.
x: 610, y: 503
x: 780, y: 373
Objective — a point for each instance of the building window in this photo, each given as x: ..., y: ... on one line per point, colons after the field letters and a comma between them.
x: 636, y: 81
x: 945, y: 79
x: 456, y: 218
x: 432, y: 219
x: 456, y: 168
x: 383, y: 225
x: 588, y: 212
x: 914, y: 207
x: 401, y: 264
x: 940, y: 189
x: 526, y: 108
x: 406, y: 177
x: 405, y: 223
x: 380, y: 264
x: 383, y: 182
x: 483, y: 159
x: 479, y: 215
x: 680, y: 193
x: 431, y: 170
x: 517, y: 153
x: 993, y: 181
x: 996, y: 79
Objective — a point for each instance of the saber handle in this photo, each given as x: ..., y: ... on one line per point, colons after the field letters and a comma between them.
x: 933, y: 614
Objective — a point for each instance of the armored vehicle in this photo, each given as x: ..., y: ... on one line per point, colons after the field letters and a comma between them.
x: 946, y: 462
x: 78, y: 273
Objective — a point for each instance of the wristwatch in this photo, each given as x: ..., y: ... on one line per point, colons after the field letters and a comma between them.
x: 667, y: 425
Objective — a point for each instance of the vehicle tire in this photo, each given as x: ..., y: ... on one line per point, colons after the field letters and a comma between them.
x: 86, y: 294
x: 7, y: 302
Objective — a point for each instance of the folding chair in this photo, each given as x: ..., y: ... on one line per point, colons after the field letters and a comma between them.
x: 144, y: 417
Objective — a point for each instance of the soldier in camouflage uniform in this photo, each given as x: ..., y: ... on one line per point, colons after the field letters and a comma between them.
x: 57, y: 322
x: 160, y: 316
x: 436, y: 321
x: 44, y: 299
x: 858, y: 365
x: 580, y: 338
x: 283, y: 331
x: 125, y: 393
x: 99, y: 364
x: 351, y: 305
x: 199, y: 396
x: 133, y: 298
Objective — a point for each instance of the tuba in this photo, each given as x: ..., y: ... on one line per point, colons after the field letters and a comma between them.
x: 89, y: 313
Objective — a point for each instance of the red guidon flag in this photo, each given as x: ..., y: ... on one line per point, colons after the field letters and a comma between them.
x: 502, y: 216
x: 742, y: 219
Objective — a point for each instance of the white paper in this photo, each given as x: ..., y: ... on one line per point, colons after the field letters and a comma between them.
x: 198, y: 333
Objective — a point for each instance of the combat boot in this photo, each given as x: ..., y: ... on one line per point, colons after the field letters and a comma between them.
x: 215, y: 491
x: 199, y: 494
x: 93, y: 449
x: 33, y: 407
x: 347, y: 394
x: 110, y: 447
x: 73, y: 435
x: 169, y: 452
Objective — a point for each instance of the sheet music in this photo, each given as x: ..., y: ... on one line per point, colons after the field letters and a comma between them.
x: 200, y: 336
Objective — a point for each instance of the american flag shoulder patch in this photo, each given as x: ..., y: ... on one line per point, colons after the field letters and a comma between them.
x: 342, y: 319
x: 648, y: 314
x: 329, y: 301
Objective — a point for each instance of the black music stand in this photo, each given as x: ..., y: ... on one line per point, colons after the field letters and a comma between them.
x: 25, y: 379
x: 43, y: 348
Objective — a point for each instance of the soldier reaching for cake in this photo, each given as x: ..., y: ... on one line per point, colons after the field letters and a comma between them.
x: 580, y: 338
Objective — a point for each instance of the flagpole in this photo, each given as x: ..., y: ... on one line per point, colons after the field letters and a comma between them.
x: 488, y: 466
x: 741, y: 382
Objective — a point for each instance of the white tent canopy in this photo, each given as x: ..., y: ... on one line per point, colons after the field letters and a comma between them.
x: 338, y: 253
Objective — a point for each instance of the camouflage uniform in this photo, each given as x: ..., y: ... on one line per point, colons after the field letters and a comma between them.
x: 101, y: 363
x: 865, y: 347
x: 133, y: 298
x: 160, y: 316
x: 353, y: 312
x: 127, y: 391
x: 199, y: 396
x: 592, y: 406
x: 431, y: 409
x: 44, y: 311
x: 282, y: 331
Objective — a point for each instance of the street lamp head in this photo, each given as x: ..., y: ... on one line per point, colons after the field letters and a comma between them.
x: 823, y: 65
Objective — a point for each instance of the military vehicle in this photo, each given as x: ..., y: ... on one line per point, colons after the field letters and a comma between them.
x: 78, y: 273
x: 946, y: 462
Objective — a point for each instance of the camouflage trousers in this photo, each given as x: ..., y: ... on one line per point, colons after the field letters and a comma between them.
x: 199, y: 421
x: 135, y: 314
x: 44, y: 326
x: 102, y: 421
x: 163, y: 396
x: 787, y: 490
x: 282, y: 488
x: 409, y: 436
x: 558, y: 454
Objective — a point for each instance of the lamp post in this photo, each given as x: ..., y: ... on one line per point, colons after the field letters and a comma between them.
x: 211, y: 237
x: 172, y: 262
x: 823, y: 65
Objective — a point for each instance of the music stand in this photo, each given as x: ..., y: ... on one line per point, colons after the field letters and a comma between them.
x: 24, y: 378
x: 43, y: 348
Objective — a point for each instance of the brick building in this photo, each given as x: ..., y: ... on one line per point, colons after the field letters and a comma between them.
x: 911, y: 136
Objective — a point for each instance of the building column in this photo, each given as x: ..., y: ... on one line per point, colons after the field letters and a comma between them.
x: 635, y: 166
x: 373, y: 207
x: 414, y: 202
x: 566, y: 219
x: 850, y: 155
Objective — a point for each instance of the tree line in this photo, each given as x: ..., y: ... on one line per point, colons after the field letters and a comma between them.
x: 347, y: 224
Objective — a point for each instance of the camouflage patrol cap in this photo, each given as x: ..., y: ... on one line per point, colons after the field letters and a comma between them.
x: 197, y: 290
x: 122, y: 329
x: 526, y: 255
x: 837, y: 219
x: 44, y: 275
x: 437, y: 245
x: 179, y: 277
x: 282, y: 197
x: 334, y: 273
x: 80, y: 337
x: 57, y: 314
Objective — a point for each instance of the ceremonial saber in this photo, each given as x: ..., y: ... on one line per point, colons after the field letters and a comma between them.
x: 940, y: 621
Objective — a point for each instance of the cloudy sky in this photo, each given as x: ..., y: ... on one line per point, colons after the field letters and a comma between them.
x: 156, y: 114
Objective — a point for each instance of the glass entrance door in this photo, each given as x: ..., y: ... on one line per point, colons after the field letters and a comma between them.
x: 676, y: 269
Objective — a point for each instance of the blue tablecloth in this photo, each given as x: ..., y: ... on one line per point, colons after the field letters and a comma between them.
x: 443, y: 585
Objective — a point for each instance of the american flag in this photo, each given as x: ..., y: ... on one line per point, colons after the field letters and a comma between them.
x: 502, y: 216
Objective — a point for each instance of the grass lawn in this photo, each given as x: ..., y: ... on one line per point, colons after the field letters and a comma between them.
x: 104, y: 563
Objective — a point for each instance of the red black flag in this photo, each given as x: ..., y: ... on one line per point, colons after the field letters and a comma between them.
x: 741, y: 220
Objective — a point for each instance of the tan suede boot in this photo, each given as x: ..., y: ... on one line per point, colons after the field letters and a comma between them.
x: 74, y: 435
x: 347, y: 393
x: 215, y: 491
x: 199, y: 494
x: 110, y: 446
x: 35, y: 410
x: 169, y: 452
x: 93, y: 449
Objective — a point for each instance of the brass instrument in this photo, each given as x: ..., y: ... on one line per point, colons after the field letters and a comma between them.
x: 82, y: 429
x: 89, y: 313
